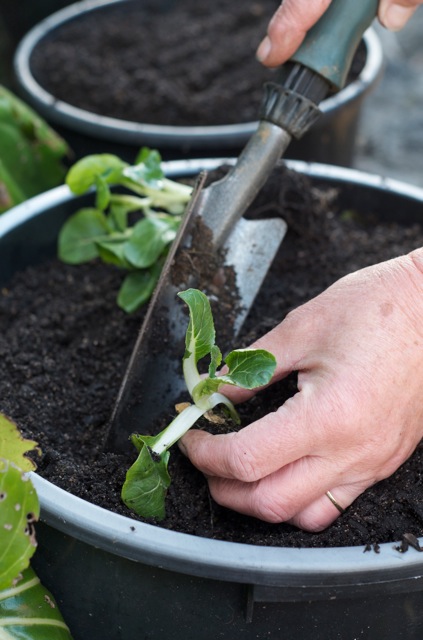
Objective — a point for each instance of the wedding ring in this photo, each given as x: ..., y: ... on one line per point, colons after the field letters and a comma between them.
x: 334, y: 502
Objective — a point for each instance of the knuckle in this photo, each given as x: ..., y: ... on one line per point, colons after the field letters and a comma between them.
x: 241, y: 462
x: 242, y: 465
x: 268, y: 509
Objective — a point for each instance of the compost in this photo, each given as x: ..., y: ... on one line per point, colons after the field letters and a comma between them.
x: 64, y: 346
x: 177, y: 63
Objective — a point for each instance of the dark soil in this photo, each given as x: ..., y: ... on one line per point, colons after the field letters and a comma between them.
x: 64, y: 345
x: 192, y: 64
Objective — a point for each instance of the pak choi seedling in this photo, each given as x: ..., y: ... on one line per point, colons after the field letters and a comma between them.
x: 147, y: 480
x: 104, y: 231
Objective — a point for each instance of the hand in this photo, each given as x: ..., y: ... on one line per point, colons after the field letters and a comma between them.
x: 358, y: 414
x: 294, y: 18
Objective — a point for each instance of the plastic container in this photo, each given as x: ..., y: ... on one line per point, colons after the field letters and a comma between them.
x: 117, y: 578
x: 331, y: 139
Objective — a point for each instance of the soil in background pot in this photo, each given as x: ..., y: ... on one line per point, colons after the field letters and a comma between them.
x: 62, y: 358
x: 183, y: 63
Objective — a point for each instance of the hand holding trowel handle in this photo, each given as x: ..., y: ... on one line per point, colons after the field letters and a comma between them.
x: 357, y: 347
x: 294, y: 18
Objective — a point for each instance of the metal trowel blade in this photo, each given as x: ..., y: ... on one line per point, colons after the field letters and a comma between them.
x: 153, y: 381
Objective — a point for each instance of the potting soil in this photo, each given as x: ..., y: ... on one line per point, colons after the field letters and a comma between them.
x: 183, y: 63
x: 64, y: 346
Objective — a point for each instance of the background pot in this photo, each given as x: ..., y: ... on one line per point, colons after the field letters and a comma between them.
x: 118, y: 578
x: 332, y: 139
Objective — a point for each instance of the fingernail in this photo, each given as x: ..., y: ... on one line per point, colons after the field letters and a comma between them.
x: 264, y: 49
x: 395, y: 17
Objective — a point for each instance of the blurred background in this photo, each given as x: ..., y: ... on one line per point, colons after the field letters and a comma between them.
x: 390, y: 137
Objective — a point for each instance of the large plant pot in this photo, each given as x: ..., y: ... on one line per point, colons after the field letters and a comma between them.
x: 331, y: 140
x: 117, y: 578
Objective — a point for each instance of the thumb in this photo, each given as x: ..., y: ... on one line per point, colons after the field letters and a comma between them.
x: 287, y: 30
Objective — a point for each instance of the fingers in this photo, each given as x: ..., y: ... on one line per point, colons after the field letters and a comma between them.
x: 395, y: 15
x: 287, y: 29
x: 296, y: 494
x: 255, y: 451
x: 294, y: 18
x: 318, y: 515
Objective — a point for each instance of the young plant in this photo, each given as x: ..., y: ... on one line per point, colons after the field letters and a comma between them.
x: 27, y: 608
x: 104, y: 231
x: 147, y: 480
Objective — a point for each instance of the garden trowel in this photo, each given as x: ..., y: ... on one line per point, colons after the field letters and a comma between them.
x: 213, y: 221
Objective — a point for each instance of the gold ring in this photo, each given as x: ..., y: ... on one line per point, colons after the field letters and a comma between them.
x: 334, y: 502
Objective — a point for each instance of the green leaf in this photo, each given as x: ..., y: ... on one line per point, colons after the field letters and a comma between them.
x: 215, y: 360
x: 147, y: 169
x: 137, y: 288
x: 29, y: 611
x: 118, y: 217
x: 250, y: 368
x: 19, y: 509
x: 148, y: 240
x: 147, y: 481
x: 102, y: 197
x: 85, y: 173
x: 78, y: 236
x: 31, y: 152
x: 200, y: 335
x: 111, y: 250
x: 14, y: 447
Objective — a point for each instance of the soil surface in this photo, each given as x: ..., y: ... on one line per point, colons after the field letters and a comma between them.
x: 182, y: 63
x: 64, y: 346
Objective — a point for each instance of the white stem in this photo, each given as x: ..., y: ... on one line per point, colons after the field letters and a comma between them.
x: 178, y: 427
x: 189, y: 368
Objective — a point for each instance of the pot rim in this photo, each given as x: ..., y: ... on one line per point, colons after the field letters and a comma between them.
x: 230, y: 561
x: 138, y: 133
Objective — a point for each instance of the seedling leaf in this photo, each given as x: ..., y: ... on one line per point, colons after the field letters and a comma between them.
x: 147, y: 169
x: 200, y: 335
x: 137, y: 288
x: 147, y: 481
x: 86, y: 172
x: 149, y: 238
x: 106, y: 231
x: 79, y: 234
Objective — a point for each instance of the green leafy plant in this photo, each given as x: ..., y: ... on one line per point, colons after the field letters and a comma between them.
x: 27, y: 609
x: 104, y: 231
x: 31, y: 153
x: 147, y: 480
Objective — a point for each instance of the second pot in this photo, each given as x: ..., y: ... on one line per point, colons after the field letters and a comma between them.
x: 331, y: 139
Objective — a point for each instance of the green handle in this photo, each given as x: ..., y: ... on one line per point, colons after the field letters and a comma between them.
x: 330, y: 44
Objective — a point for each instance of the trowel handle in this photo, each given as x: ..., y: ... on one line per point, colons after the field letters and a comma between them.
x: 330, y: 44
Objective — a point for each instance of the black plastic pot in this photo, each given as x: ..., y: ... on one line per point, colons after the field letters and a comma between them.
x: 116, y: 578
x: 332, y: 139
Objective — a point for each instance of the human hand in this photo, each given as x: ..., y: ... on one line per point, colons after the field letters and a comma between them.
x: 294, y: 18
x: 358, y: 413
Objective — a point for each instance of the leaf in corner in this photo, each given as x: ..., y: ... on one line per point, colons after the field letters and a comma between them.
x: 14, y: 447
x: 19, y: 510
